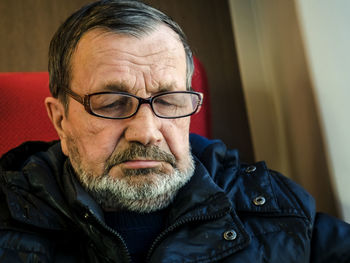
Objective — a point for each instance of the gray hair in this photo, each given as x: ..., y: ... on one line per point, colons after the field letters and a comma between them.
x: 129, y: 17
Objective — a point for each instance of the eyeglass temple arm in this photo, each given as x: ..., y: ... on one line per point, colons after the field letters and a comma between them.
x: 74, y: 96
x: 201, y: 96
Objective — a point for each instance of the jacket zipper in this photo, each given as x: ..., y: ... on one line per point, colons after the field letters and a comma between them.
x: 125, y: 250
x: 179, y: 223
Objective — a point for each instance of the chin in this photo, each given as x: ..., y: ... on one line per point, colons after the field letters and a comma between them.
x: 139, y: 190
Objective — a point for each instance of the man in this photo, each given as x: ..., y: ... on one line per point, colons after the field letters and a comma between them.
x: 126, y: 182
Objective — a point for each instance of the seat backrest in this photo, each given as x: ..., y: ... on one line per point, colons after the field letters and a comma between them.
x: 24, y: 117
x: 22, y: 110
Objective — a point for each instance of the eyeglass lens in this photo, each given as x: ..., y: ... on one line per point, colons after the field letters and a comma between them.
x: 114, y: 105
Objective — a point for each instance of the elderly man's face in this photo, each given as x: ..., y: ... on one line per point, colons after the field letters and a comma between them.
x: 157, y: 150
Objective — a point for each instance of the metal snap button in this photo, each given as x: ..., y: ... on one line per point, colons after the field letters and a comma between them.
x: 250, y: 169
x: 230, y: 235
x: 259, y: 201
x: 86, y: 215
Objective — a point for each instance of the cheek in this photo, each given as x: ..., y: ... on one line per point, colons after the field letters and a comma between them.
x: 176, y: 134
x: 95, y: 140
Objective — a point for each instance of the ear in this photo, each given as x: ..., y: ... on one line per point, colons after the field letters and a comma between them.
x: 56, y: 112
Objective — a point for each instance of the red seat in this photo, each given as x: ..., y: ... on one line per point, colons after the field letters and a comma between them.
x: 24, y: 117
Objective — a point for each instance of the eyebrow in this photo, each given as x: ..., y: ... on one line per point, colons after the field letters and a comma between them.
x: 120, y: 87
x: 167, y: 87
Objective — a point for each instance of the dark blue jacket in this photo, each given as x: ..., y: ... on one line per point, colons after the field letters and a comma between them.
x: 228, y: 212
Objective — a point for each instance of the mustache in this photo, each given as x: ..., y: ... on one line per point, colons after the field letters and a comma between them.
x: 137, y: 150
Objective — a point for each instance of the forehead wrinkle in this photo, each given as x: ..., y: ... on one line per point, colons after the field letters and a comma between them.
x: 147, y: 60
x: 123, y: 54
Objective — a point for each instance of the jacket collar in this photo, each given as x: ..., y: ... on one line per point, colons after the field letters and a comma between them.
x: 200, y: 196
x: 252, y: 188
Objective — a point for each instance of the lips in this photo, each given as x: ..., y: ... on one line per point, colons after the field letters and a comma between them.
x: 141, y: 164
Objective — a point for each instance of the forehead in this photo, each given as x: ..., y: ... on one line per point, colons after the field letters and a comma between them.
x: 104, y: 58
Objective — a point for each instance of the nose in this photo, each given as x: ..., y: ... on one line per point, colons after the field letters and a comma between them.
x: 144, y: 127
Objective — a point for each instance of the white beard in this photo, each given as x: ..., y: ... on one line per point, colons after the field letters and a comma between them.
x: 146, y: 195
x: 142, y: 190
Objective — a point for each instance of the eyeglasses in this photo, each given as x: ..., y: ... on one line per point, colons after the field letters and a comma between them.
x: 121, y: 105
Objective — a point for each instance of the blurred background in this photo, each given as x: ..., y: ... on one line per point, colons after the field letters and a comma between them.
x: 278, y: 72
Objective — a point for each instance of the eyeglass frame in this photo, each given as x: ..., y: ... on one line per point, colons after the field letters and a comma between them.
x: 85, y: 101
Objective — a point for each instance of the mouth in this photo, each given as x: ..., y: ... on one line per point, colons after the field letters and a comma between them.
x: 141, y: 164
x: 139, y: 157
